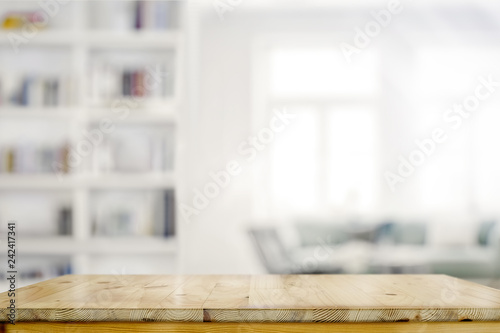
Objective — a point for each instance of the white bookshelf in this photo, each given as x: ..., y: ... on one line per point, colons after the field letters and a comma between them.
x: 79, y: 40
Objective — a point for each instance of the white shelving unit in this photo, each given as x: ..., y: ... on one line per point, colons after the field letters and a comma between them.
x: 80, y: 41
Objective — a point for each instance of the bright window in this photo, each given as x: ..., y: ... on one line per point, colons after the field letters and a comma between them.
x: 327, y: 159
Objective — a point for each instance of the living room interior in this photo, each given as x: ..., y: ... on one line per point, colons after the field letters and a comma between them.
x: 251, y: 137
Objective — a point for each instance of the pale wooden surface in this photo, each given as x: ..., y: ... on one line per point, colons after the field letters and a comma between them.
x: 254, y: 299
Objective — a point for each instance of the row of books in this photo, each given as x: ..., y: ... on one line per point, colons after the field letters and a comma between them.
x: 47, y: 221
x: 41, y: 267
x: 125, y: 151
x: 45, y: 273
x: 133, y: 83
x: 156, y: 14
x: 29, y: 158
x: 36, y: 91
x: 137, y: 15
x: 109, y: 82
x: 35, y: 268
x: 138, y: 213
x: 113, y: 213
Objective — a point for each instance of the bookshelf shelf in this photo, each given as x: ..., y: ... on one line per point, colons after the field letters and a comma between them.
x: 133, y: 39
x: 71, y: 55
x: 101, y: 38
x: 35, y: 182
x: 43, y: 38
x: 94, y: 115
x: 137, y: 117
x: 165, y: 180
x: 136, y: 245
x: 66, y: 245
x: 63, y: 113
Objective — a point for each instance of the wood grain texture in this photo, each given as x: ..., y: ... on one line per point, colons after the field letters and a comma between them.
x: 106, y: 327
x: 255, y: 299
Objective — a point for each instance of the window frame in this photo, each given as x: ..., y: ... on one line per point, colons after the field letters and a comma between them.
x: 262, y: 103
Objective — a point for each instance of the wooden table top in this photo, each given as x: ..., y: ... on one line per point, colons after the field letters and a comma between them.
x: 265, y: 298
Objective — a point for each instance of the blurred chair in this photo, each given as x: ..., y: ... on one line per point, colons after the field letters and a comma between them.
x: 277, y: 260
x: 414, y: 233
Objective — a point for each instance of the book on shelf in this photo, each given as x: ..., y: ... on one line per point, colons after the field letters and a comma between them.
x: 133, y: 83
x: 108, y: 82
x: 166, y: 211
x: 156, y: 15
x: 36, y: 91
x: 65, y: 221
x: 169, y: 213
x: 135, y: 15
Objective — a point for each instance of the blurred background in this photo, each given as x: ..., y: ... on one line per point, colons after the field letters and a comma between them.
x: 249, y: 137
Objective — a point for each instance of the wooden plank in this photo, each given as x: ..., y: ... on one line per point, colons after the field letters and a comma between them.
x: 106, y: 327
x: 45, y: 288
x: 96, y: 292
x: 229, y: 293
x: 265, y: 298
x: 113, y: 297
x: 191, y: 294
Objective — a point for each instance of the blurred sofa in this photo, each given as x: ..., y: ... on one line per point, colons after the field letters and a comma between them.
x: 392, y: 247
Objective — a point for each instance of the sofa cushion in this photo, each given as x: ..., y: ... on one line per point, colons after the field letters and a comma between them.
x: 414, y: 233
x: 314, y: 233
x: 485, y: 232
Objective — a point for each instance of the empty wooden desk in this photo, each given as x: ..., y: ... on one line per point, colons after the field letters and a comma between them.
x: 267, y: 303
